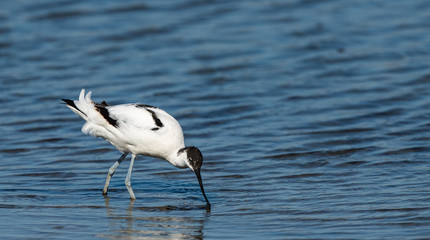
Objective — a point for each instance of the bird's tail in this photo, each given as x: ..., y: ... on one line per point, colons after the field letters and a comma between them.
x: 83, y: 106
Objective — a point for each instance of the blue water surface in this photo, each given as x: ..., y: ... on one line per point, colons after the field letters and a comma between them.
x: 313, y: 118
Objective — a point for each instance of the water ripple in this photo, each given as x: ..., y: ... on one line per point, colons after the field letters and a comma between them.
x: 312, y: 117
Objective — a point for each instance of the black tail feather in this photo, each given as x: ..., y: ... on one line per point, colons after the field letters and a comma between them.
x: 71, y: 103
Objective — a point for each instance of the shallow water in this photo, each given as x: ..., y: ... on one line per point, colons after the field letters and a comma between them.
x: 312, y: 116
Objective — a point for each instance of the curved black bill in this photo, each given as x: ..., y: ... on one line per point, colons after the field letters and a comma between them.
x: 208, y: 205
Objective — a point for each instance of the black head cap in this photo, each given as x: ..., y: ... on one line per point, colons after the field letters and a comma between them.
x: 195, y: 157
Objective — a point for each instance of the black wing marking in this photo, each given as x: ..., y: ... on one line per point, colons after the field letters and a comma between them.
x: 101, y: 108
x: 157, y: 121
x: 145, y: 106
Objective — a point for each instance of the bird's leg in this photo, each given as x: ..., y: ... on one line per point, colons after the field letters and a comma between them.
x: 112, y: 171
x: 127, y: 179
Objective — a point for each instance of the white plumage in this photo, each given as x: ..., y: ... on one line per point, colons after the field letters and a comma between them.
x: 137, y: 129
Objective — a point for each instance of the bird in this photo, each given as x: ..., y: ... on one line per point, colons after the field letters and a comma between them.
x: 137, y: 129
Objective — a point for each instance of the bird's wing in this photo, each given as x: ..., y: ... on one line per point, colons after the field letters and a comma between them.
x: 133, y: 128
x: 140, y: 116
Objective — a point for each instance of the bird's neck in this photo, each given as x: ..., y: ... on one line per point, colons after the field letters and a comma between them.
x: 179, y: 159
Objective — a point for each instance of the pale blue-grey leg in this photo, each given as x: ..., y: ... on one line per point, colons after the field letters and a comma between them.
x: 112, y: 171
x: 127, y: 179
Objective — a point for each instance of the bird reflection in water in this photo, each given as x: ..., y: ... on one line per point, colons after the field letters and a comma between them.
x: 161, y: 222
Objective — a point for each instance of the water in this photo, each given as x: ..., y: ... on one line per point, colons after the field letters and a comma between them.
x: 312, y: 116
